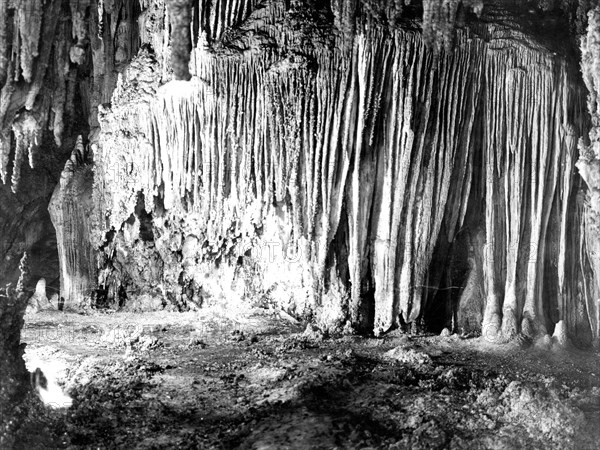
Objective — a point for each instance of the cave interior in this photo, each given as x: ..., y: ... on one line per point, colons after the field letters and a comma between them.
x: 280, y: 224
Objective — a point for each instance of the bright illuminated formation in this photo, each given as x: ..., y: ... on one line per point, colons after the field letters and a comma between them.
x: 379, y: 159
x: 335, y: 159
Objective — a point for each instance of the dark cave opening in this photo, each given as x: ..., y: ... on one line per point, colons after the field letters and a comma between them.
x: 145, y: 218
x: 448, y: 283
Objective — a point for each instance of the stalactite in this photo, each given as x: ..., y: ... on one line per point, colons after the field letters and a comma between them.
x: 47, y: 40
x: 5, y: 97
x: 40, y: 50
x: 28, y: 137
x: 97, y: 50
x: 216, y: 17
x: 517, y: 150
x: 439, y: 18
x: 180, y: 13
x: 59, y: 98
x: 30, y: 22
x: 100, y: 18
x: 152, y: 25
x: 108, y: 62
x: 25, y: 278
x: 79, y: 31
x: 564, y: 192
x: 345, y: 15
x: 587, y: 255
x: 3, y: 41
x: 5, y: 138
x: 5, y: 145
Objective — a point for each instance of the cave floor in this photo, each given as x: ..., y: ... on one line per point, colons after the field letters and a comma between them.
x: 210, y: 380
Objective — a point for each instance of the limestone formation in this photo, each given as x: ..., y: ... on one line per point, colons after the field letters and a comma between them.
x: 391, y: 164
x: 380, y: 159
x: 70, y: 208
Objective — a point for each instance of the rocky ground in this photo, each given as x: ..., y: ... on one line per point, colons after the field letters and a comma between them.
x: 212, y: 380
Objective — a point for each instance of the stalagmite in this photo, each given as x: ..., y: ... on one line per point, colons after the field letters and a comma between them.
x: 70, y: 208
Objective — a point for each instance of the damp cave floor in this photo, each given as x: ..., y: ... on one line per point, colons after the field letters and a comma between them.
x: 210, y: 379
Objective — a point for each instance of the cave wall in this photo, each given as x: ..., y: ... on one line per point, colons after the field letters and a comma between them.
x: 589, y: 166
x: 58, y: 61
x: 359, y: 163
x: 41, y: 112
x: 400, y: 145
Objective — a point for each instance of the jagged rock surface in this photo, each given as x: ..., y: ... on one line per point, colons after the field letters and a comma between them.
x: 589, y: 168
x: 14, y: 377
x: 322, y: 157
x: 365, y: 179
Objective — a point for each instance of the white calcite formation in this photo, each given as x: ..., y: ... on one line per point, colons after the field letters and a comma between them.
x: 366, y: 160
x: 363, y: 164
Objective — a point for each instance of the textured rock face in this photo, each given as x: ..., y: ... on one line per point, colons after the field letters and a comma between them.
x: 14, y: 378
x: 25, y: 226
x: 39, y: 93
x: 589, y: 166
x: 335, y: 159
x: 364, y: 161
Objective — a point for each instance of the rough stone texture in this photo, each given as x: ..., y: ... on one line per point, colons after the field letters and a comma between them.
x: 262, y: 153
x: 245, y: 381
x: 14, y: 378
x: 589, y: 168
x: 25, y: 226
x: 37, y: 102
x: 329, y: 158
